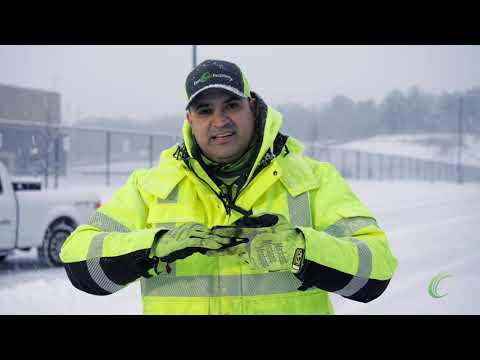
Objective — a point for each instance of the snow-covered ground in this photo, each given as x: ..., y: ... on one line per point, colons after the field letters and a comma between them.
x: 438, y: 147
x: 432, y: 229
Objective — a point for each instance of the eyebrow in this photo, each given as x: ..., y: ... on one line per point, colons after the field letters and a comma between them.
x: 206, y: 104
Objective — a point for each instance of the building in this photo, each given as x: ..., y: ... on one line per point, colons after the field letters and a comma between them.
x: 18, y: 103
x: 17, y: 142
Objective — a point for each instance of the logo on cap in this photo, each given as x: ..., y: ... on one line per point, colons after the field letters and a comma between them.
x: 208, y: 75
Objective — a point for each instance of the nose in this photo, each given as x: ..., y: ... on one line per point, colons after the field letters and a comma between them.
x: 220, y: 118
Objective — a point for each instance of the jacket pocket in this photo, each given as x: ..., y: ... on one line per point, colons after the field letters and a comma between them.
x: 174, y: 213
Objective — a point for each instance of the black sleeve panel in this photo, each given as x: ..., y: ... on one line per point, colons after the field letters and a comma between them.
x: 79, y: 276
x: 332, y: 280
x: 120, y: 269
x: 372, y: 289
x: 325, y: 278
x: 127, y: 268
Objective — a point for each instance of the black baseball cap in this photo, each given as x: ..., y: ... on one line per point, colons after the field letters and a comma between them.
x: 216, y: 74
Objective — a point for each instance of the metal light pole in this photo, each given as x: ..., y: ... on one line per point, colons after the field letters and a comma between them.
x: 194, y: 56
x: 460, y: 142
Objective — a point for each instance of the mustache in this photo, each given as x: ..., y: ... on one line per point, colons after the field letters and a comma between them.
x: 226, y: 128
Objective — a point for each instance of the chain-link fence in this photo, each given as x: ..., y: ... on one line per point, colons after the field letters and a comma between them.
x: 372, y: 166
x: 75, y: 156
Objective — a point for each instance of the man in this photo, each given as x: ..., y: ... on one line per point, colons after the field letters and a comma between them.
x: 235, y: 220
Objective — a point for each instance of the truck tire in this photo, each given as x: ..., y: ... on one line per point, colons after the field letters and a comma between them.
x: 3, y: 257
x: 55, y: 236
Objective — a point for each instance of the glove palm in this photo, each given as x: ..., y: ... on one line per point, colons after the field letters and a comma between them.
x: 184, y: 241
x: 273, y: 243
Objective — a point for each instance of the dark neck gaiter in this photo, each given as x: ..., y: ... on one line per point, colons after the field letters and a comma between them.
x: 228, y: 173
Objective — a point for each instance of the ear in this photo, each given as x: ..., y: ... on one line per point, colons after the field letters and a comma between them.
x: 253, y: 105
x: 189, y: 119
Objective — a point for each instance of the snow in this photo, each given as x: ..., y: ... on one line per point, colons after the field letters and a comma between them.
x: 438, y: 147
x: 28, y: 288
x: 432, y: 229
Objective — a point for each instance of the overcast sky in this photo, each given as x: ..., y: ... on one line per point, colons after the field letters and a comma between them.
x: 145, y: 81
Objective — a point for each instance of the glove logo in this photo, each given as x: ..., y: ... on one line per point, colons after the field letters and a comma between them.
x: 298, y: 259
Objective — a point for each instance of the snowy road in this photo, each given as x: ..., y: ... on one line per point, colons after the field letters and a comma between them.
x: 432, y: 229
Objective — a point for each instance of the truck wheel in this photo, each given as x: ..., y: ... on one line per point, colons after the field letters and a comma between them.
x: 3, y: 257
x: 57, y: 233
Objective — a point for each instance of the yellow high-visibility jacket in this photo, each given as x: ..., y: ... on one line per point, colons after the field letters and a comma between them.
x: 346, y: 251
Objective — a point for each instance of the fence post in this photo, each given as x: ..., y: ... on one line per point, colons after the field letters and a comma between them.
x: 418, y: 167
x: 412, y: 169
x: 434, y: 175
x: 369, y: 166
x: 57, y: 159
x: 408, y: 164
x: 400, y: 168
x: 393, y: 165
x: 431, y: 171
x: 415, y: 169
x: 150, y: 149
x: 390, y: 168
x: 380, y: 160
x: 47, y: 165
x: 107, y: 162
x: 357, y: 164
x: 427, y: 170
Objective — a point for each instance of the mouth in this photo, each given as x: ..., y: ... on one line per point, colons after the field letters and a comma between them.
x: 223, y: 135
x: 223, y: 138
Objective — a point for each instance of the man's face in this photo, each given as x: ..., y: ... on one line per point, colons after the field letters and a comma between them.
x: 222, y: 124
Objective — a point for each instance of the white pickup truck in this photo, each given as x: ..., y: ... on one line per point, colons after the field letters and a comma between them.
x: 31, y: 217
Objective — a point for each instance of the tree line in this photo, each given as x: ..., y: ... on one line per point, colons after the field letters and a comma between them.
x: 342, y: 119
x: 412, y: 111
